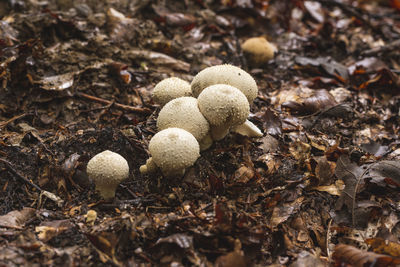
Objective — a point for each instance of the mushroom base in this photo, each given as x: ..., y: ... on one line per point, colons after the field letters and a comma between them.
x: 107, y: 191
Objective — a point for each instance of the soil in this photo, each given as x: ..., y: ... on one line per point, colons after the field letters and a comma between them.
x: 320, y: 188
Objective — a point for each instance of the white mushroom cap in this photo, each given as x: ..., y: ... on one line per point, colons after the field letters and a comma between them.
x: 223, y: 106
x: 184, y: 113
x: 258, y: 50
x: 107, y: 169
x: 225, y: 74
x: 169, y: 89
x: 173, y: 150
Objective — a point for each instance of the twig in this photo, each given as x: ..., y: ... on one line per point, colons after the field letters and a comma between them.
x: 5, y: 123
x: 117, y: 105
x: 393, y: 46
x: 11, y: 169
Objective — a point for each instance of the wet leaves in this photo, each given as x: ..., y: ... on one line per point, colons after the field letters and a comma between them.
x: 345, y: 254
x: 17, y: 219
x: 77, y: 79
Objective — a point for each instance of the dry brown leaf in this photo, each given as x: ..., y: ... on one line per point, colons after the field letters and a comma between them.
x: 345, y: 254
x: 379, y: 245
x: 16, y: 219
x: 48, y: 230
x: 232, y: 259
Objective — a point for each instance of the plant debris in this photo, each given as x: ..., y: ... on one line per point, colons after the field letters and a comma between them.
x: 320, y: 188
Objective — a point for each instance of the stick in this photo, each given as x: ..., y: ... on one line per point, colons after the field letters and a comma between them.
x: 117, y: 105
x: 5, y: 123
x: 16, y: 174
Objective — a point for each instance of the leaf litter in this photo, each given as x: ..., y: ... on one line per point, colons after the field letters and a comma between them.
x: 320, y: 187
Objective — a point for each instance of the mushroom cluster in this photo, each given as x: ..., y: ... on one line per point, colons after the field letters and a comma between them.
x: 193, y: 116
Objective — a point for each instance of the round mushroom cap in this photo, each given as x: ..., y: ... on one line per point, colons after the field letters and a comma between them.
x: 223, y: 105
x: 169, y: 89
x: 225, y: 74
x: 107, y: 169
x: 184, y: 113
x: 173, y: 150
x: 258, y: 50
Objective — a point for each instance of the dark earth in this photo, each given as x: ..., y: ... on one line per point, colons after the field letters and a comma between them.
x: 320, y: 188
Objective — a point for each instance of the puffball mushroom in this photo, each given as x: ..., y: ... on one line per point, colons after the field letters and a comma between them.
x: 169, y: 89
x: 173, y: 150
x: 258, y: 50
x: 225, y: 74
x: 184, y: 113
x: 107, y: 169
x: 248, y: 129
x: 223, y: 106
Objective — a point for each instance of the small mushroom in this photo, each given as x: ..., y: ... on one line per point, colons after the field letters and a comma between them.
x: 258, y: 51
x: 248, y: 129
x: 172, y: 151
x: 169, y: 89
x: 184, y: 113
x: 107, y: 169
x: 225, y: 74
x: 223, y: 106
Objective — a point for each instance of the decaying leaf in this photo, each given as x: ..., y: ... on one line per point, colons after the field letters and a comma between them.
x: 182, y: 240
x: 48, y: 230
x: 282, y: 212
x: 306, y: 259
x: 328, y: 65
x: 375, y: 148
x: 272, y: 123
x: 232, y: 259
x: 352, y: 175
x: 105, y: 244
x: 345, y: 254
x: 379, y: 245
x: 16, y: 219
x: 305, y: 101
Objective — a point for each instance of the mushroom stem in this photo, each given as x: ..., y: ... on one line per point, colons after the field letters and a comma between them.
x: 219, y: 132
x: 107, y: 191
x: 206, y: 142
x: 248, y: 129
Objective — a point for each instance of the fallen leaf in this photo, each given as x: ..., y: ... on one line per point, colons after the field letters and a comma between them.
x: 345, y: 254
x: 16, y: 219
x: 306, y: 259
x: 379, y: 245
x: 375, y: 149
x: 232, y: 259
x: 182, y: 240
x: 272, y: 123
x: 282, y: 212
x: 48, y: 230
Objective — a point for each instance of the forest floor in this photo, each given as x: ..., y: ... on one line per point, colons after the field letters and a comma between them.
x: 321, y: 187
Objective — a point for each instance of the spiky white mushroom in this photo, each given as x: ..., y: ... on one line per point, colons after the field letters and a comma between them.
x: 225, y: 74
x: 223, y: 106
x: 169, y: 89
x: 184, y: 113
x: 107, y: 169
x: 172, y: 151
